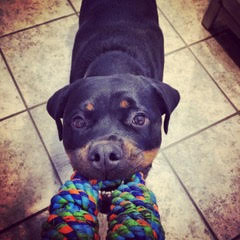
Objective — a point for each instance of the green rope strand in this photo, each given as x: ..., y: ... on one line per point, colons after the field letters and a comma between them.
x: 134, y: 212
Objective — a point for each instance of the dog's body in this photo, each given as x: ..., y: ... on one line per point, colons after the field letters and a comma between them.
x: 118, y: 37
x: 113, y: 106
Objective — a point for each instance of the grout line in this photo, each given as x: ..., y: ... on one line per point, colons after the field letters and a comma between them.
x: 189, y: 48
x: 164, y: 15
x: 46, y: 150
x: 191, y: 199
x: 37, y: 105
x: 70, y: 3
x: 221, y: 90
x: 212, y: 35
x: 174, y: 51
x: 12, y: 115
x: 29, y: 113
x: 199, y: 131
x: 22, y: 111
x: 37, y: 25
x: 207, y: 38
x: 13, y: 79
x: 22, y: 221
x: 195, y: 43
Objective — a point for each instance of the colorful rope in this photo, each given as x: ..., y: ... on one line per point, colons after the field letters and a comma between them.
x: 73, y: 211
x: 134, y: 212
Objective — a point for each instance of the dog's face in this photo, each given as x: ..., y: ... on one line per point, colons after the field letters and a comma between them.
x: 112, y: 125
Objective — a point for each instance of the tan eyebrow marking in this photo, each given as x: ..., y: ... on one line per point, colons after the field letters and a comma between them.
x: 90, y: 107
x: 124, y: 104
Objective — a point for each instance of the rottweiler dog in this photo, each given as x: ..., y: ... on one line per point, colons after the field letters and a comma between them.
x: 110, y: 115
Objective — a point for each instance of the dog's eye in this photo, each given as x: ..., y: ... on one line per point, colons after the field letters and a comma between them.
x: 78, y: 122
x: 139, y: 120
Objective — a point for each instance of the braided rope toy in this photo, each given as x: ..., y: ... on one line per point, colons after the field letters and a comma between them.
x: 133, y: 211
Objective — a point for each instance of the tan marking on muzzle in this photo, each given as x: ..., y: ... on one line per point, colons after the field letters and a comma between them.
x: 80, y: 162
x: 81, y: 153
x: 130, y: 148
x: 149, y: 156
x: 146, y: 157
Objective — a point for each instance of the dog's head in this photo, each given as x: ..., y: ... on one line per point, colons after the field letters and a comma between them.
x: 112, y: 124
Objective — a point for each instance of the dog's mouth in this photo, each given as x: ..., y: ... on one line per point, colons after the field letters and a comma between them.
x: 107, y: 191
x: 106, y: 194
x: 106, y: 197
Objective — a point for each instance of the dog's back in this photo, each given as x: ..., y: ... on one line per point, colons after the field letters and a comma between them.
x: 133, y: 12
x: 127, y: 26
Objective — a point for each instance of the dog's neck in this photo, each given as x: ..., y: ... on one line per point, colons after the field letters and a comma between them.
x: 114, y: 62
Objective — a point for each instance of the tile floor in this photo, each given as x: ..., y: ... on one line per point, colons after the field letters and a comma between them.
x: 196, y: 176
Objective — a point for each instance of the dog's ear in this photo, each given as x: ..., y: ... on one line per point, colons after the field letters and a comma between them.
x: 56, y: 105
x: 170, y: 97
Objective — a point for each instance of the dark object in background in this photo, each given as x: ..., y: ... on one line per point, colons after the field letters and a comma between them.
x: 229, y: 11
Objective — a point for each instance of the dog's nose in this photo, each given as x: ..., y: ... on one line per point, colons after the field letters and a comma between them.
x: 105, y: 156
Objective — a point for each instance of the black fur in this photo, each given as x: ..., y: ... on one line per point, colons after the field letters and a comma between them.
x: 118, y: 55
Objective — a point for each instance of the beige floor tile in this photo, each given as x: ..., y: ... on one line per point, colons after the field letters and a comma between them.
x: 201, y: 102
x: 103, y: 225
x: 186, y: 17
x: 31, y: 229
x: 40, y: 58
x: 209, y: 166
x: 18, y: 14
x: 222, y: 68
x: 10, y: 101
x: 48, y: 130
x: 27, y: 180
x: 77, y: 4
x: 171, y: 40
x: 178, y: 216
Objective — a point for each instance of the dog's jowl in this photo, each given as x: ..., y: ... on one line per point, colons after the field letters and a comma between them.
x: 110, y: 114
